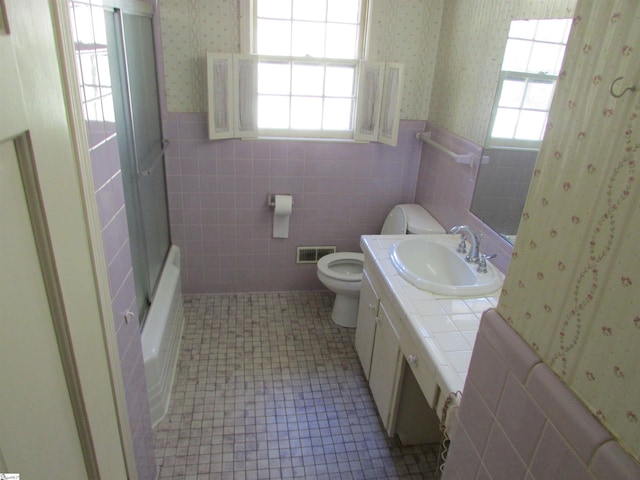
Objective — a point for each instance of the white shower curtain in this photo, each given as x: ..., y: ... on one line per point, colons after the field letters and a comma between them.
x: 573, y: 286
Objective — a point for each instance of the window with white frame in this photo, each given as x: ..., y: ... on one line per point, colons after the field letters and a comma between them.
x: 303, y: 28
x: 304, y: 76
x: 530, y: 69
x: 302, y: 91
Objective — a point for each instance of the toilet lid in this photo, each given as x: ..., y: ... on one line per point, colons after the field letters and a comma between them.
x: 418, y: 220
x: 421, y: 221
x: 396, y: 222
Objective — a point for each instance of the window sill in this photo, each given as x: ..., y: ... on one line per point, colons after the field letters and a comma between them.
x: 306, y: 139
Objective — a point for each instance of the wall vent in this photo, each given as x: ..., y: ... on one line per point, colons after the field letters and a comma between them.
x: 313, y: 254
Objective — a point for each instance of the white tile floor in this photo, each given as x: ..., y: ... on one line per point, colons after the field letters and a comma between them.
x: 268, y: 387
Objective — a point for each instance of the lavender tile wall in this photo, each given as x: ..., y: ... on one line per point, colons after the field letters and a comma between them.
x: 218, y: 202
x: 107, y: 178
x: 445, y: 188
x: 517, y: 420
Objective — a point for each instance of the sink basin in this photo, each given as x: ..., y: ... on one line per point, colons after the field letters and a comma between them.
x: 433, y: 264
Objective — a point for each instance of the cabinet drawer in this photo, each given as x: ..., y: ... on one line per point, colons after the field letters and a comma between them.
x: 421, y: 369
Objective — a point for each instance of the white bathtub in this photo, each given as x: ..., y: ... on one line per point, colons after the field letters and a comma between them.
x: 161, y: 336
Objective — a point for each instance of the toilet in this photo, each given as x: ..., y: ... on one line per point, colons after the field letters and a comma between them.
x: 342, y: 272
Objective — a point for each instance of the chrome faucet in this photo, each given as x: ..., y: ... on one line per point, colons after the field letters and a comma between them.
x: 474, y: 255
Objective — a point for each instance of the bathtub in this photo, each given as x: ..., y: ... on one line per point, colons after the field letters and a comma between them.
x: 161, y: 336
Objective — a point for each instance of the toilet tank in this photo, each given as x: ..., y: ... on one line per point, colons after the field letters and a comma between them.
x: 410, y: 218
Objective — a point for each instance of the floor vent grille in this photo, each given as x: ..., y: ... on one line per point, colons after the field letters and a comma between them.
x: 313, y: 254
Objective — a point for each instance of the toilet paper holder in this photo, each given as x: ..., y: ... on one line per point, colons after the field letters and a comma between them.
x: 271, y: 198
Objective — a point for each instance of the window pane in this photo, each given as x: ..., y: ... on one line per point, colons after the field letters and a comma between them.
x: 538, y: 95
x: 274, y: 8
x: 516, y: 55
x: 567, y: 30
x: 342, y: 41
x: 522, y: 29
x: 274, y: 78
x: 544, y: 58
x: 308, y: 80
x: 315, y: 10
x: 273, y: 112
x: 274, y: 37
x: 531, y: 125
x: 512, y: 93
x: 307, y: 94
x: 339, y: 81
x: 344, y: 11
x: 536, y: 49
x: 308, y: 39
x: 108, y: 109
x: 552, y: 30
x: 558, y: 66
x: 338, y: 113
x: 505, y: 123
x: 102, y: 64
x: 306, y: 113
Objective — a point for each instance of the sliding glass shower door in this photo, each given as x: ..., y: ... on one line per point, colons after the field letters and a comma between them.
x: 137, y: 111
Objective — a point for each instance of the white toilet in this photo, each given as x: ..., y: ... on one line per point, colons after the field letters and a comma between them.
x: 342, y: 272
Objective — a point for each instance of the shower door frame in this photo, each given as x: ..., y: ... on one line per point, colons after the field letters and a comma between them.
x: 133, y: 174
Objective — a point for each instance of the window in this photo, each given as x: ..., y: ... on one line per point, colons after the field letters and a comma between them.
x: 301, y: 94
x: 303, y: 76
x: 305, y: 95
x: 532, y: 61
x: 301, y: 28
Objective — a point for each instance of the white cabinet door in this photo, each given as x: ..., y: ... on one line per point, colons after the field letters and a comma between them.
x: 386, y: 369
x: 366, y: 326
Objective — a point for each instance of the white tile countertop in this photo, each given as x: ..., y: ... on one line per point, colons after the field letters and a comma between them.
x: 445, y: 326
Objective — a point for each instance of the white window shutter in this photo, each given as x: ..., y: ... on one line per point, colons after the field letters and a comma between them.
x: 220, y: 95
x: 246, y: 93
x: 370, y: 81
x: 390, y: 108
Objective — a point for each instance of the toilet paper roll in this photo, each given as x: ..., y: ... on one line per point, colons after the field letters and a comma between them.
x: 281, y: 213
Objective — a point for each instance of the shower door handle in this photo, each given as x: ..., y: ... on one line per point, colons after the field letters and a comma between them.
x: 156, y: 160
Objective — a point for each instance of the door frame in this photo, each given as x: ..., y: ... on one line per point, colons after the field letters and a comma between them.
x: 40, y: 90
x: 78, y: 132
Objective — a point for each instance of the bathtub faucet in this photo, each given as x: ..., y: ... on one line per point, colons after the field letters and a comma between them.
x: 474, y: 255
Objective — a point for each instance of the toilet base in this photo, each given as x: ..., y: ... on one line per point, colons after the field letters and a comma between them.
x: 345, y: 311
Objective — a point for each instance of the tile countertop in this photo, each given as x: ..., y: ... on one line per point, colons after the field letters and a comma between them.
x: 446, y: 326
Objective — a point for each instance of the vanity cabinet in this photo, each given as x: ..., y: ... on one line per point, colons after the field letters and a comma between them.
x: 403, y: 388
x: 367, y: 323
x: 412, y: 365
x: 386, y: 363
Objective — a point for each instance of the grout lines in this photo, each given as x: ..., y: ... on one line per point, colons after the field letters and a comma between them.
x: 268, y: 387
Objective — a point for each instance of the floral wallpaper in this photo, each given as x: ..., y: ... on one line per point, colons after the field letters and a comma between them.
x: 190, y: 29
x: 573, y: 287
x: 405, y: 31
x: 470, y: 56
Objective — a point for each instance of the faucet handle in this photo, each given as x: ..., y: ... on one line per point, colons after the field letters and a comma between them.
x: 482, y: 263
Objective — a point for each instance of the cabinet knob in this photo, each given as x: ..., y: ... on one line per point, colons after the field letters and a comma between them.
x: 372, y: 307
x: 413, y: 360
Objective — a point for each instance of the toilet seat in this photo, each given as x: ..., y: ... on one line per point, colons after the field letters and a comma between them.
x: 329, y: 263
x: 341, y: 272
